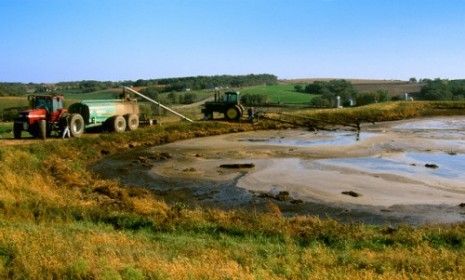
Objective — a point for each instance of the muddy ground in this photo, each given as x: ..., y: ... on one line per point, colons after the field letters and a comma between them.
x: 394, y: 172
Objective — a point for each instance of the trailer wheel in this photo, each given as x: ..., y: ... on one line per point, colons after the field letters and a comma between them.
x: 232, y: 113
x: 42, y: 129
x: 132, y: 122
x: 76, y: 125
x: 17, y: 129
x: 118, y: 124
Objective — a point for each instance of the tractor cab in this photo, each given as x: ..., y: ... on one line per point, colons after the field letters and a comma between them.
x: 53, y: 106
x: 50, y: 103
x: 232, y: 97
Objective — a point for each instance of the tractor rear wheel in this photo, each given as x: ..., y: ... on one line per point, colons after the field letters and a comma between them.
x: 17, y: 129
x: 132, y: 122
x: 232, y: 113
x: 242, y: 109
x: 118, y: 124
x: 42, y: 127
x: 76, y: 125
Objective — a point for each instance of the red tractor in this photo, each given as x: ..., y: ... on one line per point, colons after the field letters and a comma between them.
x: 47, y: 114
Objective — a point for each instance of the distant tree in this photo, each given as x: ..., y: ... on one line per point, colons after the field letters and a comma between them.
x: 457, y: 88
x: 383, y: 95
x: 329, y: 90
x: 412, y: 80
x: 188, y: 98
x: 140, y: 83
x: 253, y: 99
x: 372, y: 97
x: 299, y: 88
x: 315, y: 87
x: 40, y: 89
x: 90, y: 86
x: 437, y: 90
x: 320, y: 102
x: 172, y: 97
x: 151, y: 92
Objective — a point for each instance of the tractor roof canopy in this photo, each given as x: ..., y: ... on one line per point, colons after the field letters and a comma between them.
x: 231, y: 96
x: 49, y: 102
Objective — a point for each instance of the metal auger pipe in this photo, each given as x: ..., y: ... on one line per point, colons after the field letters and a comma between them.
x: 158, y: 103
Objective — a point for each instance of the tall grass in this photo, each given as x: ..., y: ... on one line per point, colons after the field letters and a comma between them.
x: 58, y: 220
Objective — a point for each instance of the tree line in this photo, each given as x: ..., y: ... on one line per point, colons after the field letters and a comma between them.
x: 328, y: 91
x: 162, y: 85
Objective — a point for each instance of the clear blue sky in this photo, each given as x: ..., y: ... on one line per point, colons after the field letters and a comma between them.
x: 62, y: 40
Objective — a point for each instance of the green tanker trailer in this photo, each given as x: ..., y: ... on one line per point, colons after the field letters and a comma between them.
x: 115, y: 115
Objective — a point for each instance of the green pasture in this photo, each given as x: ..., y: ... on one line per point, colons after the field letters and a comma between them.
x: 281, y: 93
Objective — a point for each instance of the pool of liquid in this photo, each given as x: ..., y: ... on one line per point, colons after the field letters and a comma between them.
x: 433, y: 124
x: 309, y: 139
x: 450, y: 166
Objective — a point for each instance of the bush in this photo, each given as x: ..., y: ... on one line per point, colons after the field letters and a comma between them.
x: 320, y: 102
x: 329, y: 90
x: 188, y: 98
x: 372, y: 97
x: 253, y: 99
x: 151, y: 92
x: 443, y: 89
x: 299, y: 88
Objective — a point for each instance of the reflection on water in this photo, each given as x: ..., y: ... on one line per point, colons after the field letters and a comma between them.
x: 314, y: 139
x: 439, y: 124
x: 412, y: 163
x: 452, y: 166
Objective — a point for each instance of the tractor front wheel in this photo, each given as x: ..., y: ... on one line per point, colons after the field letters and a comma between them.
x: 76, y: 125
x: 42, y: 129
x: 17, y: 129
x: 208, y: 115
x: 232, y: 113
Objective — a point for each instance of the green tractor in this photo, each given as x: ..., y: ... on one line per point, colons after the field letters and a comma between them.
x: 228, y: 104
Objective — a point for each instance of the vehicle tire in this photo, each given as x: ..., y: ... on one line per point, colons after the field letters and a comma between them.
x: 118, y: 124
x: 49, y: 130
x: 242, y: 109
x: 208, y: 115
x: 76, y: 125
x: 232, y: 113
x: 17, y: 129
x: 42, y: 126
x: 132, y: 122
x: 63, y: 122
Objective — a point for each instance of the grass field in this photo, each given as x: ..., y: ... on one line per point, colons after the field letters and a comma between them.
x: 7, y: 102
x: 393, y: 88
x: 199, y: 95
x: 281, y: 93
x: 5, y: 129
x: 101, y: 94
x: 60, y: 221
